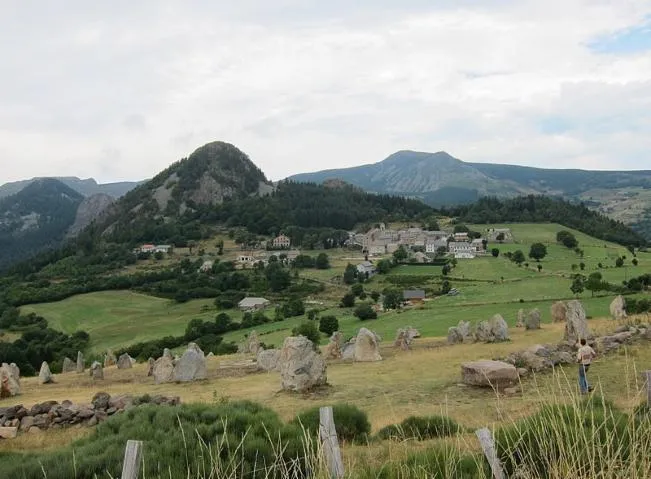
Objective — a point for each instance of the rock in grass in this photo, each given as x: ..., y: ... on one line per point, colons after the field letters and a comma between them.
x: 191, y: 366
x: 533, y: 319
x: 124, y: 361
x: 301, y: 367
x: 163, y: 370
x: 268, y: 360
x: 618, y: 308
x: 487, y: 373
x: 45, y: 375
x: 367, y: 346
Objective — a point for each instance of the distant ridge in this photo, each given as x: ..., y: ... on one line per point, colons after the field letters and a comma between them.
x: 86, y: 187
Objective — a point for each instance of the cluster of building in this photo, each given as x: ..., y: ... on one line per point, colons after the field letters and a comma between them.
x: 251, y: 257
x: 153, y: 248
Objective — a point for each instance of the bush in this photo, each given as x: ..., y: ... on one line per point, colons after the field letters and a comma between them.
x: 357, y: 289
x: 241, y: 435
x: 365, y: 311
x: 420, y: 428
x: 309, y: 330
x: 351, y: 423
x: 328, y: 325
x: 348, y: 301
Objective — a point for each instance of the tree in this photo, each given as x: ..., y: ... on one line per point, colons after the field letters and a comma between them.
x: 365, y: 311
x: 567, y: 239
x: 631, y: 248
x: 619, y: 262
x: 582, y: 265
x: 158, y: 255
x: 538, y: 251
x: 539, y: 268
x: 384, y: 266
x: 495, y: 252
x: 348, y: 301
x: 223, y: 323
x: 294, y: 307
x: 277, y: 276
x: 357, y: 289
x: 445, y: 270
x: 634, y: 261
x: 445, y: 287
x: 375, y: 296
x: 577, y: 286
x: 322, y: 261
x: 392, y: 298
x: 461, y: 229
x: 191, y: 245
x: 220, y: 247
x: 518, y: 257
x: 309, y: 330
x: 328, y: 325
x: 441, y: 251
x: 400, y: 254
x: 484, y: 244
x: 350, y: 273
x: 595, y: 283
x: 312, y: 314
x: 500, y: 237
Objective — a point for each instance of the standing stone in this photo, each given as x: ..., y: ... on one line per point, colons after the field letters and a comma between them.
x: 109, y: 359
x: 45, y: 375
x: 301, y: 367
x: 520, y: 321
x: 576, y: 325
x: 465, y: 330
x: 333, y: 350
x: 348, y: 349
x: 404, y: 338
x: 9, y: 381
x: 15, y: 370
x: 150, y: 366
x: 80, y: 362
x: 124, y: 361
x: 367, y: 346
x: 167, y: 353
x: 618, y: 308
x: 485, y: 373
x: 251, y: 344
x: 163, y: 370
x: 454, y: 336
x: 96, y: 371
x: 484, y: 332
x: 191, y: 366
x: 559, y: 312
x: 499, y: 328
x: 533, y: 319
x: 267, y: 360
x: 68, y: 366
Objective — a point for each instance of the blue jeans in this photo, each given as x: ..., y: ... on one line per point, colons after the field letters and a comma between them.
x: 583, y: 379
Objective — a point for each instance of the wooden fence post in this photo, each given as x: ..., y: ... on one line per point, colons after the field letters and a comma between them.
x: 648, y: 387
x: 487, y: 442
x: 330, y: 443
x: 132, y: 457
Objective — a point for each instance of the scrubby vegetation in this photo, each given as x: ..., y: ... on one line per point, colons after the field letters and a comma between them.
x: 352, y: 424
x: 421, y: 428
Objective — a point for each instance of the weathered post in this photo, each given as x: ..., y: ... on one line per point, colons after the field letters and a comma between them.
x: 330, y: 443
x: 132, y: 457
x: 487, y: 442
x: 648, y: 387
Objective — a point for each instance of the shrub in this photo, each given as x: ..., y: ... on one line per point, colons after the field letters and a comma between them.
x: 421, y: 427
x: 328, y: 325
x: 309, y: 330
x: 365, y: 311
x: 241, y: 435
x: 351, y: 423
x: 348, y: 301
x: 495, y: 252
x: 357, y: 289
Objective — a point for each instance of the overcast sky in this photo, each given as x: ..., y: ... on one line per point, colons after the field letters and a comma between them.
x: 120, y: 89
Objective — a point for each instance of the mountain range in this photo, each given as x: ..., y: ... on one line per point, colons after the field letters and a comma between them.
x: 86, y: 187
x: 439, y: 179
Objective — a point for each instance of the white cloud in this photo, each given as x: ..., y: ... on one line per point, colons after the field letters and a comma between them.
x: 121, y: 92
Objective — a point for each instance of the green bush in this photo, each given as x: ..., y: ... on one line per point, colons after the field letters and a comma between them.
x: 179, y: 441
x: 309, y: 330
x: 351, y: 423
x: 421, y: 427
x: 365, y: 311
x: 328, y: 325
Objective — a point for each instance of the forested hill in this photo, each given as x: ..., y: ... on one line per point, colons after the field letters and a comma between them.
x: 542, y: 209
x: 36, y: 218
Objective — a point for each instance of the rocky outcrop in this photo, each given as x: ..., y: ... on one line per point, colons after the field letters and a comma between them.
x: 576, y: 324
x: 191, y: 366
x: 559, y: 312
x: 367, y: 346
x: 268, y: 360
x: 90, y: 209
x: 533, y: 319
x: 124, y: 361
x: 487, y: 373
x: 301, y: 367
x: 618, y: 308
x: 80, y: 362
x: 9, y: 380
x: 68, y: 366
x: 96, y: 371
x: 45, y: 375
x: 54, y: 415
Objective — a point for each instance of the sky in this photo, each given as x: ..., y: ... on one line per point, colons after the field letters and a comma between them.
x: 119, y: 90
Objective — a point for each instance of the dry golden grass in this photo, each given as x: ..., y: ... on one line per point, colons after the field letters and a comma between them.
x: 419, y: 382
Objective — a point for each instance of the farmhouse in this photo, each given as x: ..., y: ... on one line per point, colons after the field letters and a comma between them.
x: 151, y: 248
x: 250, y: 304
x: 460, y: 236
x: 478, y: 244
x: 366, y: 268
x: 462, y: 250
x: 432, y: 245
x: 281, y: 242
x: 413, y: 296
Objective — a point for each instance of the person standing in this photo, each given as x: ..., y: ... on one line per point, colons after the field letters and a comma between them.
x: 584, y: 356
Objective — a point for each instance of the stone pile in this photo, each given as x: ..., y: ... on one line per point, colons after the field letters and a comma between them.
x: 54, y: 415
x: 301, y: 367
x: 9, y: 380
x: 189, y: 367
x: 405, y: 337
